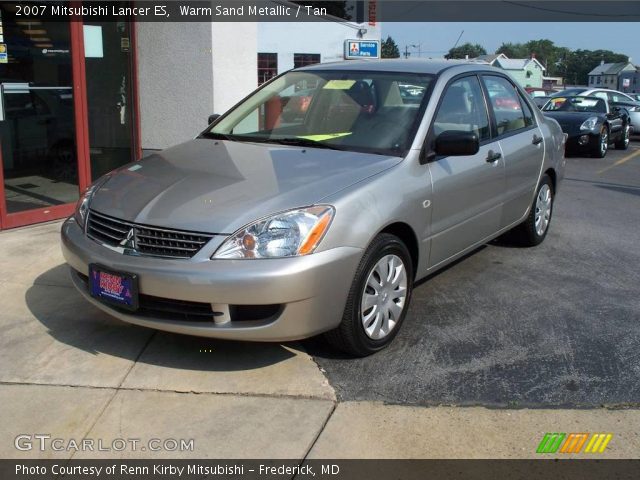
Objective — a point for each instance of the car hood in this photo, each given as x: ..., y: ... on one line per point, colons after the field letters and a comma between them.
x: 570, y: 122
x: 571, y: 117
x: 215, y: 186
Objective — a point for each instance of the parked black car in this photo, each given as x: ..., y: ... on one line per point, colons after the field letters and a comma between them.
x: 590, y: 123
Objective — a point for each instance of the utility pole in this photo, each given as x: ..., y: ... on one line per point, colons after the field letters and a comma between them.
x: 407, y: 53
x: 459, y: 37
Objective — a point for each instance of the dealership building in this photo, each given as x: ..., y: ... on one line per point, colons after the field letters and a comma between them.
x: 82, y: 97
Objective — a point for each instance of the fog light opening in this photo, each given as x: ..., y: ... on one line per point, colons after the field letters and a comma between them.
x: 222, y: 315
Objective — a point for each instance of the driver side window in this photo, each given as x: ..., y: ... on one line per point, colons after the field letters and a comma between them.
x: 463, y: 109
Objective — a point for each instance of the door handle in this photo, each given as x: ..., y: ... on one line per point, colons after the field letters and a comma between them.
x: 536, y: 139
x: 493, y: 156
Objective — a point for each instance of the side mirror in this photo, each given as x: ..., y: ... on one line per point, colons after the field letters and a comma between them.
x: 457, y: 143
x: 213, y: 118
x: 616, y: 109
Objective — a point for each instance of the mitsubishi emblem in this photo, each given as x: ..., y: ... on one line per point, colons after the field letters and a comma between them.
x: 129, y: 241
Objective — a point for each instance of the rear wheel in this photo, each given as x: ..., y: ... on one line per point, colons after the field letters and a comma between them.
x: 602, y: 144
x: 534, y: 229
x: 378, y: 299
x: 623, y: 142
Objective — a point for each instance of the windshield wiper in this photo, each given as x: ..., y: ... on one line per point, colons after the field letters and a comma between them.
x: 220, y: 136
x: 303, y: 142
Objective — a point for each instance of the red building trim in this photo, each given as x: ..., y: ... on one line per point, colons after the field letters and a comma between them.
x: 135, y: 93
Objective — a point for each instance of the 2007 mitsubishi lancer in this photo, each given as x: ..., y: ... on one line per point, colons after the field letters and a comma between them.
x: 315, y: 203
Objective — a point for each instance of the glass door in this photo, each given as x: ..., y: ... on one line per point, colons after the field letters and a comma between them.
x: 108, y: 61
x: 40, y: 177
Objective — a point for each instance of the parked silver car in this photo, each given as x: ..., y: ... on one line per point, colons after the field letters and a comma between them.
x: 271, y: 228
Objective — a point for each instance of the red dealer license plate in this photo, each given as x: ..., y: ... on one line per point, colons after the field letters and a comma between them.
x: 116, y: 288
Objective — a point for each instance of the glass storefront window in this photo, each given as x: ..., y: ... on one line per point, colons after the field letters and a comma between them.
x: 37, y: 129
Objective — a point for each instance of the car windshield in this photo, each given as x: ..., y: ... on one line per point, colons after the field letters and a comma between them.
x: 575, y: 104
x: 375, y: 112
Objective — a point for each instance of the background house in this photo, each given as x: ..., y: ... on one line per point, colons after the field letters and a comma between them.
x: 606, y: 75
x: 528, y: 72
x: 629, y: 81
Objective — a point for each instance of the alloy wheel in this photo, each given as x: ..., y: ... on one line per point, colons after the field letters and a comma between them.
x: 604, y: 141
x: 543, y: 210
x: 384, y: 297
x: 626, y: 136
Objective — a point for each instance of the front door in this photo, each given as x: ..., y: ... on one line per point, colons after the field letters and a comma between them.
x: 467, y: 190
x: 40, y: 177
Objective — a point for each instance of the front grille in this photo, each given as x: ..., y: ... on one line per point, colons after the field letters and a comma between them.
x: 144, y: 239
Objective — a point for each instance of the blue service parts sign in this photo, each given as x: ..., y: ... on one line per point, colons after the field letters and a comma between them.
x: 361, y: 49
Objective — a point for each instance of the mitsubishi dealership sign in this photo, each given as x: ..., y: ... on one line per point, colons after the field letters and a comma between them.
x: 356, y: 49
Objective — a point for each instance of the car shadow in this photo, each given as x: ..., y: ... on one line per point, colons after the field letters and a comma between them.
x: 73, y: 321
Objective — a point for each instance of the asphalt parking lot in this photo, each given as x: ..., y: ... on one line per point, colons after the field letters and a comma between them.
x: 539, y: 331
x: 556, y: 325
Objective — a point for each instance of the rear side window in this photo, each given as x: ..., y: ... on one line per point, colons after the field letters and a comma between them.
x: 505, y: 102
x: 463, y: 109
x: 617, y: 98
x: 526, y: 111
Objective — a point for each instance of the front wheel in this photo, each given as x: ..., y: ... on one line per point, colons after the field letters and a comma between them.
x: 602, y: 144
x: 534, y: 229
x: 378, y: 299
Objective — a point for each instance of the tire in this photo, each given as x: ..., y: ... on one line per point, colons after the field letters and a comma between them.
x: 527, y: 234
x: 351, y: 336
x: 623, y: 142
x: 600, y: 149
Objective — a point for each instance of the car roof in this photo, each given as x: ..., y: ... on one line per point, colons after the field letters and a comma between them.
x: 430, y: 66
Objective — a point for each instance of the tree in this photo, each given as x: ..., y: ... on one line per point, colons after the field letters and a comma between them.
x: 389, y: 48
x: 472, y: 50
x: 512, y: 50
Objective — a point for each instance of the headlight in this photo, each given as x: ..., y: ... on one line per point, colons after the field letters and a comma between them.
x: 288, y: 234
x: 82, y: 207
x: 589, y: 123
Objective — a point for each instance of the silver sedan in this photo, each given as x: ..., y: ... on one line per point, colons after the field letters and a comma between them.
x: 314, y: 204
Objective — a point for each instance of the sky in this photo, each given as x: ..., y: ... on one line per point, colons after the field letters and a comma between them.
x: 437, y: 38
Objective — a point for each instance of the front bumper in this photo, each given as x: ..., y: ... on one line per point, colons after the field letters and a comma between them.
x: 312, y: 289
x: 575, y: 145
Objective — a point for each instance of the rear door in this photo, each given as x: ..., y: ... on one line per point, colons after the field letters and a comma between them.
x: 467, y: 190
x: 521, y: 143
